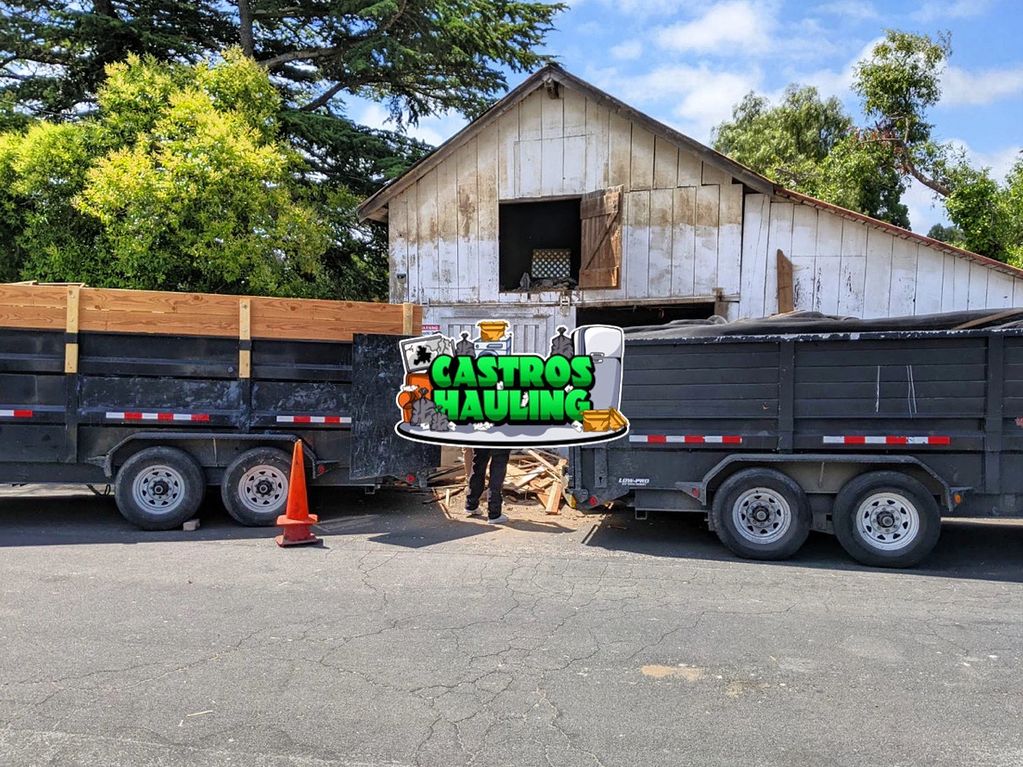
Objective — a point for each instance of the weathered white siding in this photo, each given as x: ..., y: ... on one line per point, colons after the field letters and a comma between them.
x: 682, y: 219
x: 845, y: 266
x: 688, y: 230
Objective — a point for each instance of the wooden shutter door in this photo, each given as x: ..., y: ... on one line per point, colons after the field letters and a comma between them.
x: 601, y: 250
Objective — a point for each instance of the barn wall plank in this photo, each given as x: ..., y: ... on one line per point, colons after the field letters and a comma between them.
x: 712, y: 175
x: 468, y: 221
x: 552, y: 148
x: 446, y: 286
x: 575, y: 113
x: 413, y: 280
x: 853, y: 268
x: 804, y: 282
x: 930, y: 271
x: 878, y: 278
x: 690, y: 168
x: 948, y: 282
x: 804, y: 231
x: 636, y: 244
x: 780, y: 233
x: 428, y: 234
x: 756, y: 223
x: 730, y: 239
x: 708, y: 203
x: 642, y: 174
x: 574, y: 181
x: 531, y: 117
x: 487, y: 209
x: 619, y: 151
x: 507, y: 142
x: 851, y: 284
x: 665, y: 164
x: 659, y: 264
x: 597, y: 148
x: 962, y: 283
x: 999, y: 290
x: 530, y: 168
x: 829, y: 234
x: 978, y: 286
x: 397, y: 248
x: 683, y: 241
x: 903, y: 288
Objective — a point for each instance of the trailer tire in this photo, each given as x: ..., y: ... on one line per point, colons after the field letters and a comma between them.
x: 761, y: 514
x: 255, y: 486
x: 159, y: 488
x: 886, y: 519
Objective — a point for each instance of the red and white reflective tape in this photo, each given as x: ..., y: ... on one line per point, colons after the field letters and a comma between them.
x: 17, y: 413
x: 855, y: 439
x: 140, y: 416
x: 687, y: 439
x: 329, y: 419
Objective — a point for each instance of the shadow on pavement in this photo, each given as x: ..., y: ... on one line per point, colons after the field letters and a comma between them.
x: 987, y: 550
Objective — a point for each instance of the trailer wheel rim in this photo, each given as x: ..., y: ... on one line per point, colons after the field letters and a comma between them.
x: 887, y: 520
x: 158, y: 489
x: 263, y: 488
x: 762, y: 515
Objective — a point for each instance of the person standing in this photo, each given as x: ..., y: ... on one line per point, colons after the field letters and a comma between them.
x: 498, y: 461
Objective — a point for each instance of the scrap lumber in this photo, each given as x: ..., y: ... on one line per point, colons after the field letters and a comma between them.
x: 531, y: 473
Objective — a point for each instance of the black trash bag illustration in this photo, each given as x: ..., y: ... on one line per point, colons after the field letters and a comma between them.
x: 425, y: 411
x: 465, y: 347
x: 562, y: 345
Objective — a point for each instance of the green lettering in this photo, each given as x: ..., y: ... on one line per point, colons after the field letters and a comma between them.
x: 440, y: 372
x: 558, y: 372
x: 576, y: 403
x: 582, y: 372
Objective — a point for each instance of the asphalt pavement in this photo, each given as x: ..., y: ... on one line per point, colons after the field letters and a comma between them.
x: 413, y: 637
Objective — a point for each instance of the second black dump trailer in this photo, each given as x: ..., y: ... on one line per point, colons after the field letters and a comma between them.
x: 869, y: 429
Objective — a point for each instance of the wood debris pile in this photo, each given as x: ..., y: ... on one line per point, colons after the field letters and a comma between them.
x: 531, y: 474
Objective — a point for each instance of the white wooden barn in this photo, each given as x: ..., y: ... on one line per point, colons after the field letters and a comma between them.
x: 638, y: 223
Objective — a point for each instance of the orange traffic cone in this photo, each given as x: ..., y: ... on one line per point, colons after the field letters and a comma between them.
x: 295, y: 523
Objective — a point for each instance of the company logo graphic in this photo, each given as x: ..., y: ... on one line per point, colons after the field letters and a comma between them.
x: 480, y: 393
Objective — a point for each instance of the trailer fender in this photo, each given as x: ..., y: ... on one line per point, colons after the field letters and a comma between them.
x: 131, y: 444
x: 951, y: 495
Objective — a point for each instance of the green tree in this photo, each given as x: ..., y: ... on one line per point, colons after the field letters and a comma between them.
x: 814, y: 147
x: 418, y: 57
x: 177, y: 181
x: 811, y: 145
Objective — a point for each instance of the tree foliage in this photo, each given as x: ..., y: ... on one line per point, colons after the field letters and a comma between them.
x: 813, y: 146
x: 177, y: 181
x: 810, y: 144
x: 417, y: 57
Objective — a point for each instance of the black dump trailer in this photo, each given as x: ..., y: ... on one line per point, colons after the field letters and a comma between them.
x: 165, y: 394
x: 869, y: 429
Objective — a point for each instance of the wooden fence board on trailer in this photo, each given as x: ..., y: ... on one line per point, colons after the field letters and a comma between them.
x: 45, y: 307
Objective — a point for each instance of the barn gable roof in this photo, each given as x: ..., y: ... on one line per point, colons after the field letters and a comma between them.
x: 375, y: 206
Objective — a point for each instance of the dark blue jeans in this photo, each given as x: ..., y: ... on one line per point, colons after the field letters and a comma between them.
x: 498, y: 460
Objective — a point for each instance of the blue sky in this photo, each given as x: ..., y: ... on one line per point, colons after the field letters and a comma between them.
x: 687, y: 63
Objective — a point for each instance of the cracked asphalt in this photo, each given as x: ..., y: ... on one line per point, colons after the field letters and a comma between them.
x: 414, y: 638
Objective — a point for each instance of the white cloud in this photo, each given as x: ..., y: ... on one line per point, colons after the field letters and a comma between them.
x: 631, y: 49
x: 999, y: 161
x: 432, y: 130
x: 697, y: 97
x: 942, y: 10
x: 924, y: 210
x: 740, y: 23
x: 962, y: 88
x: 856, y: 10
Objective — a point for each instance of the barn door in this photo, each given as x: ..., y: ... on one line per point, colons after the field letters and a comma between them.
x: 601, y: 262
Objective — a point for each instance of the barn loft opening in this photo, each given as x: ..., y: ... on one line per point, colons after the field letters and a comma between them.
x: 643, y: 314
x: 542, y: 241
